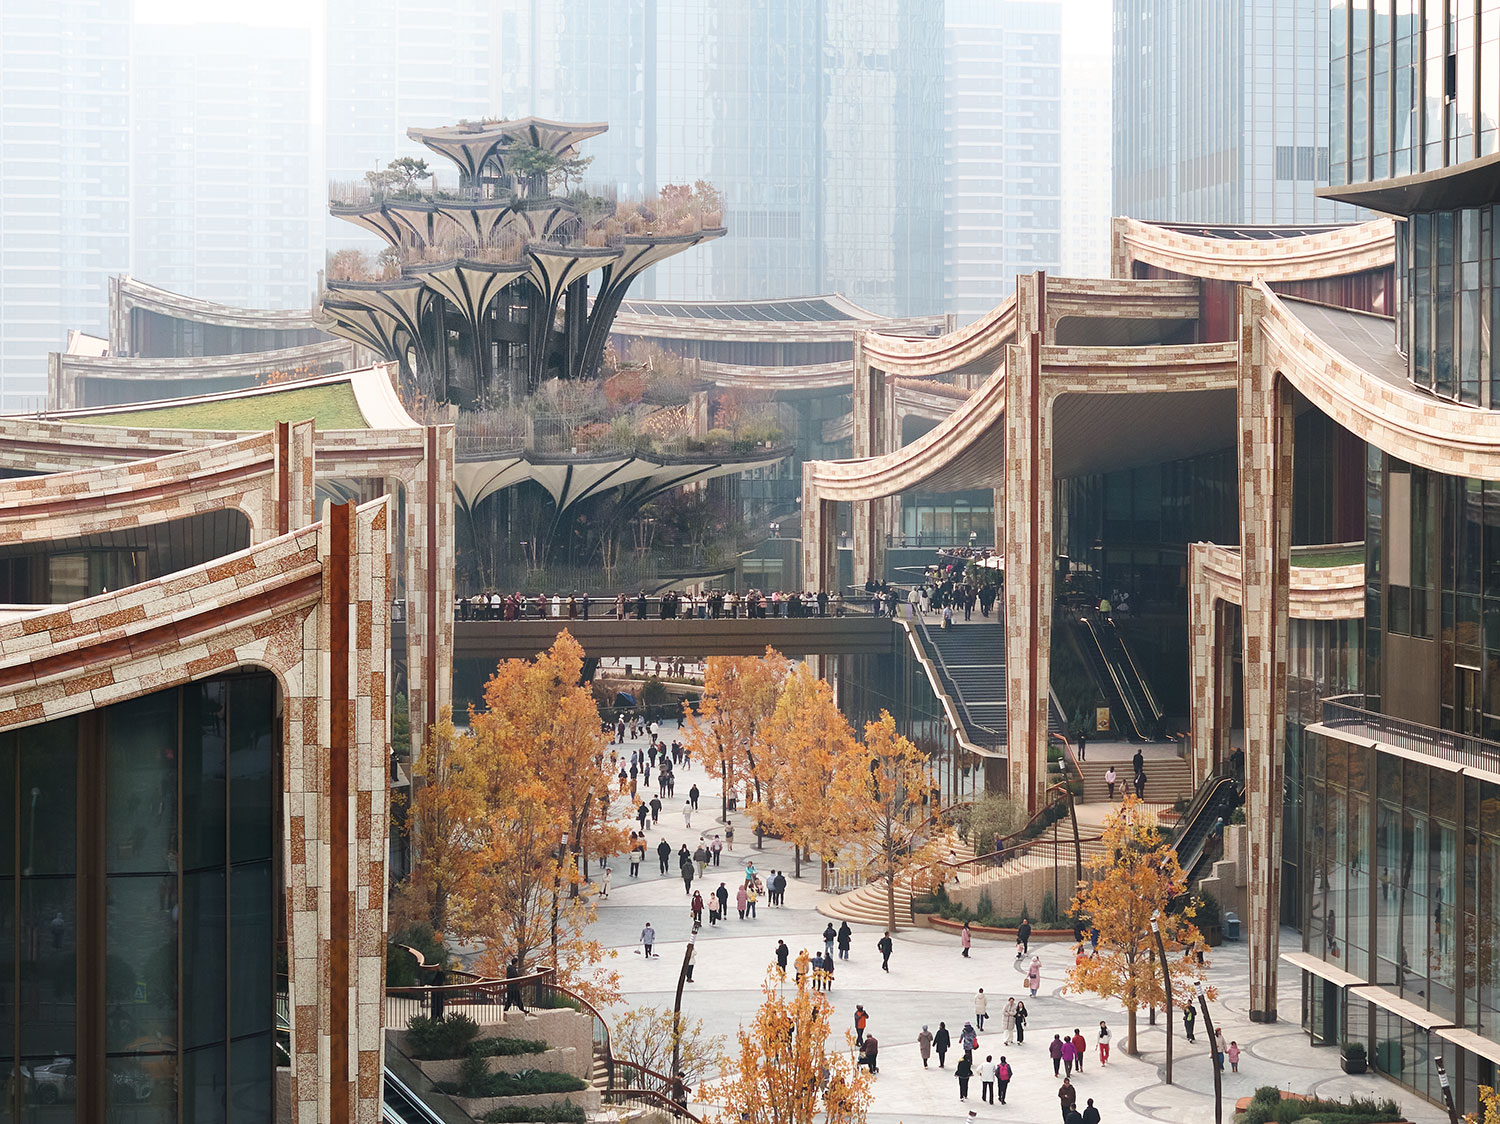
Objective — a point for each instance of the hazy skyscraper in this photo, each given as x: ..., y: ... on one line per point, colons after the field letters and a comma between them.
x: 1221, y: 111
x: 64, y: 178
x: 1086, y: 159
x: 819, y: 120
x: 1003, y: 110
x: 225, y: 207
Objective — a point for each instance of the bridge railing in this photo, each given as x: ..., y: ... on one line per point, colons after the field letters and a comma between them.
x: 563, y: 609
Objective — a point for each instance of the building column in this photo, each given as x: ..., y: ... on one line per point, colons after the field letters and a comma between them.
x: 1203, y: 655
x: 1265, y: 432
x: 294, y: 470
x: 429, y: 583
x: 868, y: 418
x: 1223, y: 718
x: 819, y: 539
x: 1028, y: 571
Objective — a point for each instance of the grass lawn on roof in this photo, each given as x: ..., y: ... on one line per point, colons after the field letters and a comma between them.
x: 1320, y: 559
x: 330, y: 407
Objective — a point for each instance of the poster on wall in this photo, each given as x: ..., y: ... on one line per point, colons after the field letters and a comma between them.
x: 1101, y: 719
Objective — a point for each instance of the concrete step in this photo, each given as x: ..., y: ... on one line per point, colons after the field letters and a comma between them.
x: 867, y: 906
x: 1167, y: 780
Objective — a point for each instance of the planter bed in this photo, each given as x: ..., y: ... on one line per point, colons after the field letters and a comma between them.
x: 990, y: 932
x: 590, y: 1100
x: 557, y: 1061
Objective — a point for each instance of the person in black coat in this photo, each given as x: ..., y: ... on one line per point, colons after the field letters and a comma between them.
x: 940, y: 1042
x: 664, y: 854
x: 1021, y: 1016
x: 963, y: 1071
x: 845, y: 939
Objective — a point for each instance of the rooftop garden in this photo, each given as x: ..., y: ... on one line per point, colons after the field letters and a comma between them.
x: 331, y: 407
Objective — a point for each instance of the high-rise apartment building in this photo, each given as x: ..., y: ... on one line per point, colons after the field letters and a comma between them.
x: 224, y: 205
x: 1003, y: 148
x: 820, y: 121
x: 1221, y: 111
x: 1087, y: 152
x: 64, y: 178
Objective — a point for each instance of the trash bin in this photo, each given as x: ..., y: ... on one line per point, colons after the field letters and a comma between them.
x: 1231, y: 926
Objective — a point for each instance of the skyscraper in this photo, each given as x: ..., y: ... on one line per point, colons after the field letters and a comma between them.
x: 1087, y: 149
x: 1221, y: 111
x: 224, y: 204
x: 820, y: 121
x: 64, y: 178
x: 1003, y: 147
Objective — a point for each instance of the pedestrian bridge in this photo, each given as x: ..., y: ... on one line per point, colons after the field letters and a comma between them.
x: 688, y: 637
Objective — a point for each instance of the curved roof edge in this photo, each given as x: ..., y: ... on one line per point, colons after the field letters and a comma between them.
x: 138, y: 294
x: 1314, y: 592
x: 1339, y: 252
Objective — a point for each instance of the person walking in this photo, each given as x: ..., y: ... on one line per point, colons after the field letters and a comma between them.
x: 1023, y: 938
x: 1220, y: 1048
x: 648, y: 938
x: 1083, y: 745
x: 940, y: 1042
x: 717, y: 848
x: 1069, y: 1054
x: 722, y: 893
x: 885, y: 946
x: 846, y: 938
x: 869, y: 1054
x: 1034, y: 975
x: 604, y: 890
x: 1189, y: 1017
x: 693, y: 795
x: 752, y: 895
x: 1104, y: 1037
x: 964, y: 938
x: 830, y: 934
x: 783, y: 954
x: 1111, y: 778
x: 1090, y: 1114
x: 697, y: 907
x: 1067, y: 1096
x: 686, y: 867
x: 1003, y: 1074
x: 1055, y: 1051
x: 741, y: 900
x: 861, y: 1020
x: 981, y: 1007
x: 987, y: 1079
x: 1233, y: 1054
x: 924, y: 1045
x: 968, y: 1039
x: 1022, y: 1014
x: 1080, y: 1048
x: 687, y: 814
x: 1008, y: 1021
x: 1140, y: 785
x: 963, y: 1071
x: 664, y: 854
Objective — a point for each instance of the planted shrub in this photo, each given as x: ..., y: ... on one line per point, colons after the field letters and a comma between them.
x: 474, y: 1081
x: 450, y: 1036
x: 565, y: 1113
x: 508, y: 1047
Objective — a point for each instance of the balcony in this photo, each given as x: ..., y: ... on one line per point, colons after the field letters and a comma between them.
x: 1347, y: 715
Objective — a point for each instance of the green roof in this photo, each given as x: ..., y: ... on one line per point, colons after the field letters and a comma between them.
x: 332, y: 406
x: 1321, y: 558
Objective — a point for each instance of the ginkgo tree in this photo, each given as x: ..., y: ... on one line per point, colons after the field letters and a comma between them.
x: 739, y: 696
x: 886, y: 795
x: 785, y: 1070
x: 1135, y: 881
x: 808, y: 745
x: 504, y: 814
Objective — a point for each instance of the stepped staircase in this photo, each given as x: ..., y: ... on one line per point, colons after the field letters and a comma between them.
x: 1168, y: 780
x: 971, y: 662
x: 867, y: 906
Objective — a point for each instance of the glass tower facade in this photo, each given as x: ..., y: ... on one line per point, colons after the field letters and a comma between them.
x: 138, y: 908
x: 1221, y: 111
x: 820, y: 121
x: 1004, y: 149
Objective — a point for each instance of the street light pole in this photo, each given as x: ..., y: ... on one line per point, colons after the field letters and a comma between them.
x: 1213, y: 1053
x: 687, y: 960
x: 1442, y: 1072
x: 1166, y: 979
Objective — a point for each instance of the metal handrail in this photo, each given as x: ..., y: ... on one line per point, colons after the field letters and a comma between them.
x: 955, y: 724
x: 999, y: 735
x: 1461, y: 749
x: 1156, y: 711
x: 1125, y: 699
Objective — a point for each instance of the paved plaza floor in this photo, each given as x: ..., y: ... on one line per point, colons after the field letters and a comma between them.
x: 929, y: 981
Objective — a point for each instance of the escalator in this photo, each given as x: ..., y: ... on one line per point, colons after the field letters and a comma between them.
x: 1214, y: 803
x: 402, y: 1106
x: 1117, y: 677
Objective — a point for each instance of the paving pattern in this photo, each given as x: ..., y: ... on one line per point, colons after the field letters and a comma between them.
x: 929, y: 982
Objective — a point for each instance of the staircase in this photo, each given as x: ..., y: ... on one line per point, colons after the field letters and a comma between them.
x: 1168, y: 780
x: 867, y: 906
x: 971, y: 659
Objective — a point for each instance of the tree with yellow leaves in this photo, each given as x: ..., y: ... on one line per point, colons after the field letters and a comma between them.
x: 785, y: 1071
x: 808, y: 741
x: 1136, y: 880
x: 506, y: 811
x: 739, y: 696
x: 445, y: 802
x: 1489, y: 1105
x: 887, y: 794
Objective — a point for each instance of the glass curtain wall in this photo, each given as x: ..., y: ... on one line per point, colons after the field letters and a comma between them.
x: 1449, y: 263
x: 138, y: 892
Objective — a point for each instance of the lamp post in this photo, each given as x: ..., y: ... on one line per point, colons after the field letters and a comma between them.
x: 1442, y: 1072
x: 687, y: 960
x: 1166, y: 979
x: 1213, y: 1052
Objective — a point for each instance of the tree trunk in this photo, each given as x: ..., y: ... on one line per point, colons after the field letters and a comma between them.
x: 796, y: 861
x: 1130, y: 1033
x: 890, y: 903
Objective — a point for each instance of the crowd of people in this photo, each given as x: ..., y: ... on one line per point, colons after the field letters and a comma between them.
x: 713, y: 604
